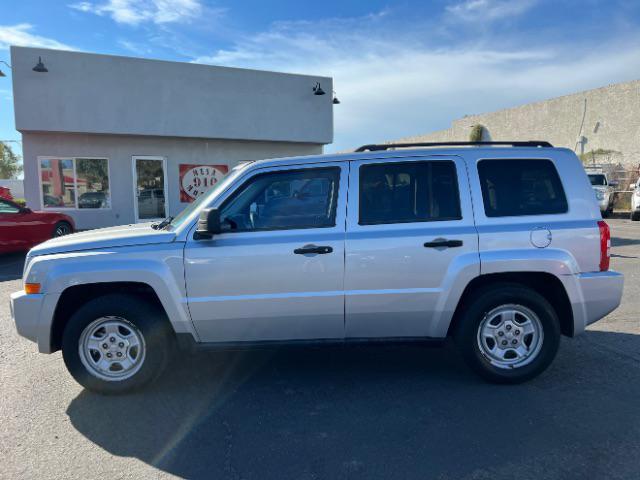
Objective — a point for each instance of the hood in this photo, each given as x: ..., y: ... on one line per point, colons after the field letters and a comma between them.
x: 120, y: 236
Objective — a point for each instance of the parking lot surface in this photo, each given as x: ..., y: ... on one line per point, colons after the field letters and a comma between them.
x: 357, y: 412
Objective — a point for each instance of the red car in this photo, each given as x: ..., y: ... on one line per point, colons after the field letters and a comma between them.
x: 21, y: 228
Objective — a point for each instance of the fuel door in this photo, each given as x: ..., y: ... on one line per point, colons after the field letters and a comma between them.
x: 541, y: 237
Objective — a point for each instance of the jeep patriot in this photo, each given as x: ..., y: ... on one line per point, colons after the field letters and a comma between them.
x: 499, y: 245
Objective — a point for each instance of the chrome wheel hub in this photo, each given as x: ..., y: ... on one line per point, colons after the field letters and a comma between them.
x: 111, y: 348
x: 510, y: 336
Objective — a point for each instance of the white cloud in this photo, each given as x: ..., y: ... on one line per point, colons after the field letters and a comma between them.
x: 488, y: 10
x: 21, y: 35
x: 395, y: 85
x: 134, y: 12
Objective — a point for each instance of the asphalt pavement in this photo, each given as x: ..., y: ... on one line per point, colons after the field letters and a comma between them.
x: 331, y: 413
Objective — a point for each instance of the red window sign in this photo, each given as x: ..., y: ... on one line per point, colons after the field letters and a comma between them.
x: 198, y: 179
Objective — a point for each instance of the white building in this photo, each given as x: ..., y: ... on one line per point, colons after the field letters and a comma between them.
x: 113, y: 140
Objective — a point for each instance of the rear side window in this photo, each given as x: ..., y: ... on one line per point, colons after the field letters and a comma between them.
x: 408, y: 192
x: 513, y: 187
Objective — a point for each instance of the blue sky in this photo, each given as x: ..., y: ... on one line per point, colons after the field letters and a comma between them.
x: 400, y: 68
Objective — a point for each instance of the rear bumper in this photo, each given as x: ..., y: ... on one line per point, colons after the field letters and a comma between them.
x: 597, y: 294
x: 33, y: 315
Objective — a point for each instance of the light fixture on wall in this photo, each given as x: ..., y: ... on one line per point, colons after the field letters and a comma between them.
x: 40, y: 68
x: 335, y: 100
x: 1, y: 72
x: 317, y: 89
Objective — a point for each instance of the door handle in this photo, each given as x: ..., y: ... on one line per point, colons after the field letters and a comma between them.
x: 320, y: 250
x: 443, y: 243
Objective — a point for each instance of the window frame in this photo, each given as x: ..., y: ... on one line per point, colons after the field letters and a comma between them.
x: 410, y: 162
x: 236, y: 191
x: 75, y: 183
x: 515, y: 159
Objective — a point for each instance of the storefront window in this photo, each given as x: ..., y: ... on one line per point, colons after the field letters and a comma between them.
x: 92, y: 179
x: 75, y: 183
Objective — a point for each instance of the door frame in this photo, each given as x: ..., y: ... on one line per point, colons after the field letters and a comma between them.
x: 134, y: 159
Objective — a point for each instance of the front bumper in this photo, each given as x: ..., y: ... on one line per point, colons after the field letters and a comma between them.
x: 600, y: 293
x: 33, y: 316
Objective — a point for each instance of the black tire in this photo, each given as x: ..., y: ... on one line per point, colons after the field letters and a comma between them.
x: 484, y: 301
x: 61, y: 228
x: 149, y: 320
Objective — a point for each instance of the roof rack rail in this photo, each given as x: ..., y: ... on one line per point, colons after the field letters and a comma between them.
x: 390, y: 146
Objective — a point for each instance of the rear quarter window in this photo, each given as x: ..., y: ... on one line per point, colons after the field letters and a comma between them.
x: 517, y: 187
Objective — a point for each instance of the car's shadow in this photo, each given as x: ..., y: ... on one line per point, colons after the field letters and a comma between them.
x: 624, y: 242
x: 379, y: 412
x: 11, y: 265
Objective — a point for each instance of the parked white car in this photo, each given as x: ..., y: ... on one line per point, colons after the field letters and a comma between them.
x: 635, y: 200
x: 603, y: 189
x: 503, y: 249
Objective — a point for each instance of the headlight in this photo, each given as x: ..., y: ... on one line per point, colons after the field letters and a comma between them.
x: 599, y: 195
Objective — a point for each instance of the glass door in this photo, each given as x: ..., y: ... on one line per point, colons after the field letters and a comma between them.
x: 150, y: 188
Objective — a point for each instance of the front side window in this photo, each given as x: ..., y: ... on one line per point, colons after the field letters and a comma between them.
x: 6, y: 207
x: 405, y: 192
x: 75, y: 183
x: 284, y: 200
x: 514, y: 187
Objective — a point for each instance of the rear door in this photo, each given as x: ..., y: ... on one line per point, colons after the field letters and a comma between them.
x: 411, y: 246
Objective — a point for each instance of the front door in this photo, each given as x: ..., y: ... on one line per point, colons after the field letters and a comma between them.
x: 15, y: 233
x: 150, y: 188
x: 411, y: 246
x: 277, y: 271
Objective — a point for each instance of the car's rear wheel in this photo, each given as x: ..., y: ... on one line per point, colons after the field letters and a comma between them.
x: 508, y: 333
x: 117, y: 343
x: 61, y: 229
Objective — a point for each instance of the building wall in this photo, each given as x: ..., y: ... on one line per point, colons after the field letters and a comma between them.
x: 16, y: 187
x: 90, y: 93
x: 605, y: 118
x: 119, y: 150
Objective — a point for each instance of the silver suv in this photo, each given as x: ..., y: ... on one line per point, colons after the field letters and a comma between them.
x: 501, y: 247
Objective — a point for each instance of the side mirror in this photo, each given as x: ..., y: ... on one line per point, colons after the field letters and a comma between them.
x: 208, y: 223
x: 25, y: 210
x: 632, y: 186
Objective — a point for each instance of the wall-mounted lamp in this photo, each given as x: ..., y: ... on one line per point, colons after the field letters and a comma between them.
x: 317, y: 89
x: 1, y: 72
x: 335, y: 99
x: 40, y: 68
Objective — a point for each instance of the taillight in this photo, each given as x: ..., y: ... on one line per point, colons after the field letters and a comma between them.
x: 605, y: 245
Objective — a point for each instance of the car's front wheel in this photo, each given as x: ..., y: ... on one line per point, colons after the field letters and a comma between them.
x: 116, y: 343
x: 508, y: 333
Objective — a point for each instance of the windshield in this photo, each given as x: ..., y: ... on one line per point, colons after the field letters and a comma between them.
x: 597, y: 179
x: 206, y: 198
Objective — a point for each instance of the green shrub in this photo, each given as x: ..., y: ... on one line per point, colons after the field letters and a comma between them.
x: 476, y: 133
